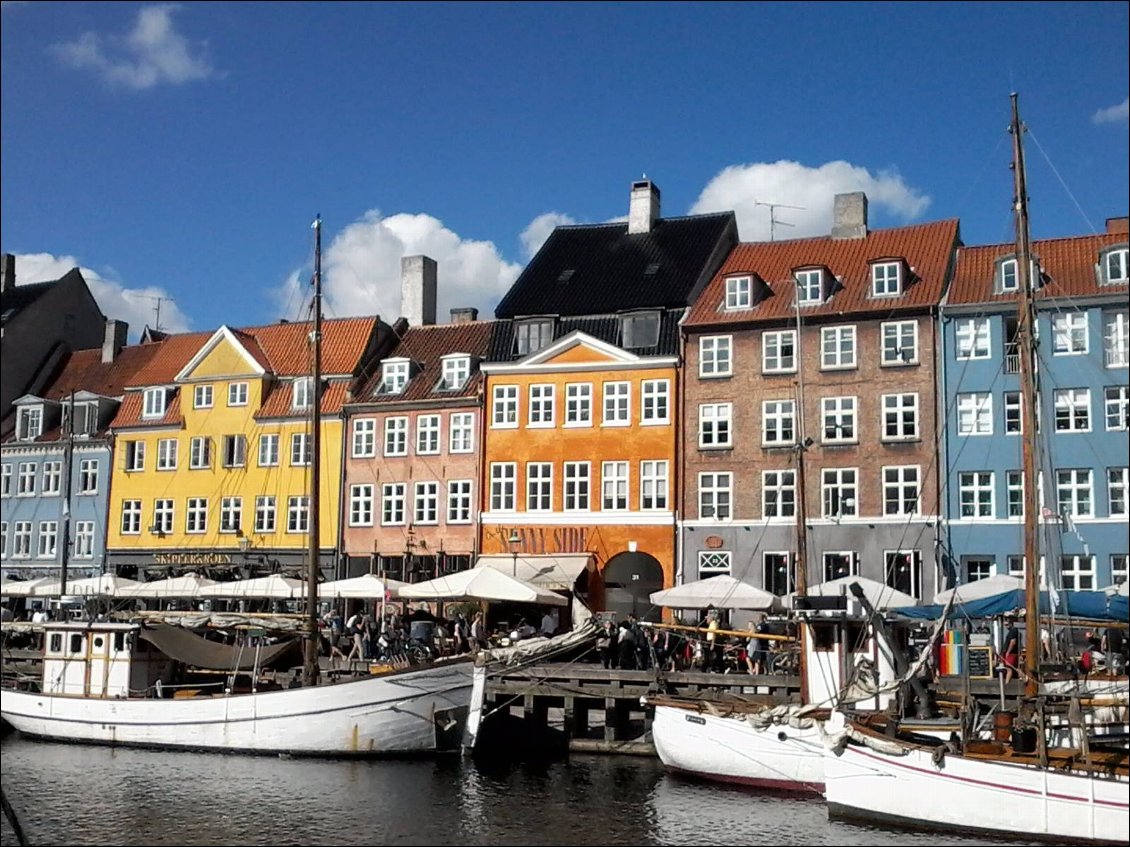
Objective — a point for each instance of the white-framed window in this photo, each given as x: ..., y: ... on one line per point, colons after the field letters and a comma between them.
x: 533, y: 335
x: 426, y: 509
x: 578, y: 404
x: 1014, y: 491
x: 1072, y: 410
x: 268, y: 450
x: 1075, y: 492
x: 886, y: 279
x: 1119, y: 568
x: 1009, y: 275
x: 202, y: 397
x: 303, y: 393
x: 427, y: 434
x: 6, y: 481
x: 84, y: 540
x: 714, y: 496
x: 838, y: 487
x: 21, y: 540
x: 237, y: 394
x: 778, y: 425
x: 134, y: 456
x: 778, y: 572
x: 231, y: 514
x: 394, y: 376
x: 655, y: 404
x: 504, y: 408
x: 541, y: 406
x: 196, y: 520
x: 839, y: 564
x: 459, y: 501
x: 456, y: 372
x: 778, y: 352
x: 503, y: 481
x: 975, y: 413
x: 617, y: 404
x: 85, y: 419
x: 298, y: 513
x: 713, y: 562
x: 235, y: 451
x: 977, y: 567
x: 838, y: 419
x: 810, y: 286
x: 739, y: 292
x: 778, y: 494
x: 974, y: 338
x: 577, y: 486
x: 153, y: 403
x: 614, y: 486
x: 837, y: 347
x: 1077, y: 572
x: 164, y: 513
x: 653, y: 484
x: 167, y: 454
x: 900, y: 417
x: 396, y: 436
x: 29, y: 423
x: 1116, y: 338
x: 131, y: 517
x: 392, y: 503
x: 461, y: 434
x: 1114, y: 263
x: 539, y: 487
x: 1118, y: 491
x: 299, y: 449
x: 903, y: 571
x: 265, y: 513
x: 364, y: 438
x: 1069, y: 334
x: 715, y: 425
x: 975, y: 490
x: 1013, y: 413
x: 1117, y: 405
x: 48, y: 539
x: 88, y: 476
x: 900, y: 490
x: 714, y: 356
x: 200, y: 452
x: 52, y: 477
x: 25, y: 482
x: 4, y: 539
x: 900, y: 343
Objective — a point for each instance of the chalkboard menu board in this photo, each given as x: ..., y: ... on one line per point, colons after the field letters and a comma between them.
x: 980, y: 662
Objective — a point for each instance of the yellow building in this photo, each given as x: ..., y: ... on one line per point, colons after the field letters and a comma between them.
x: 212, y: 455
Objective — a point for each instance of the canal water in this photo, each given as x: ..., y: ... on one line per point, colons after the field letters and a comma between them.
x: 65, y: 794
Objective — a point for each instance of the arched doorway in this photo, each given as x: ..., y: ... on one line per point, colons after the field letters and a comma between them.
x: 629, y: 581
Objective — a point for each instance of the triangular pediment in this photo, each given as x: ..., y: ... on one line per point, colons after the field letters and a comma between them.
x: 223, y: 355
x: 579, y: 348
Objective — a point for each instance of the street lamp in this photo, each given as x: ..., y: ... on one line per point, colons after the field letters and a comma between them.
x: 514, y: 540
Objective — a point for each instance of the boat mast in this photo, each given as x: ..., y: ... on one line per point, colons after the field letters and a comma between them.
x: 310, y: 666
x: 801, y: 566
x: 1025, y: 333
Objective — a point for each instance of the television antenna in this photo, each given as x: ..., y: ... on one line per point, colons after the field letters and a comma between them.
x: 773, y: 222
x: 157, y: 300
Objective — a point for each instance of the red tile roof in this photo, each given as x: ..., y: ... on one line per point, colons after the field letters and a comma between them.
x: 926, y: 248
x: 279, y: 402
x: 1068, y: 266
x: 129, y: 413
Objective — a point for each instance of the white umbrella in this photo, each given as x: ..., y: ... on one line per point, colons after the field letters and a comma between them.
x: 96, y: 586
x: 988, y: 587
x: 879, y: 595
x: 188, y: 585
x: 22, y: 587
x: 481, y: 584
x: 721, y: 592
x: 274, y: 586
x: 364, y: 587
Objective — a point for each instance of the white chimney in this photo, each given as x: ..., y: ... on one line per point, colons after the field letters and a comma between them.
x: 849, y: 216
x: 418, y: 290
x: 643, y: 210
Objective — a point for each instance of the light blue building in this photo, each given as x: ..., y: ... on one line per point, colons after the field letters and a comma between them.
x: 1082, y: 447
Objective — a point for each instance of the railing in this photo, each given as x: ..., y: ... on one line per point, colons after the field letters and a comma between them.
x: 1012, y: 363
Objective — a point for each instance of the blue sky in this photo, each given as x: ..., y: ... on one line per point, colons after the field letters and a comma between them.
x: 181, y: 151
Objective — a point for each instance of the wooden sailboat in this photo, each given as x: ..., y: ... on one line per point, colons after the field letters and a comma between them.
x: 1026, y: 788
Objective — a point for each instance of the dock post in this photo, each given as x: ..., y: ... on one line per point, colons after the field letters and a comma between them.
x: 611, y: 719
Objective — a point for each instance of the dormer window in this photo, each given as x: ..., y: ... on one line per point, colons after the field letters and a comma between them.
x: 153, y: 403
x: 639, y: 330
x: 810, y: 286
x: 29, y: 424
x: 1114, y: 265
x: 303, y: 393
x: 85, y: 418
x: 533, y: 334
x: 456, y: 371
x: 1008, y: 275
x: 739, y: 293
x: 394, y: 376
x: 886, y: 279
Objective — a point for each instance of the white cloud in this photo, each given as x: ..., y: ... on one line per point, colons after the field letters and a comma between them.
x: 361, y: 268
x: 150, y: 54
x: 540, y: 228
x: 741, y: 187
x: 137, y: 306
x: 1119, y: 114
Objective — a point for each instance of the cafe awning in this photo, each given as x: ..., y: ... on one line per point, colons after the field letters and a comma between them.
x: 555, y: 571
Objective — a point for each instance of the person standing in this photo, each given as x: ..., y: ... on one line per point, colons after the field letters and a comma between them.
x: 1010, y: 654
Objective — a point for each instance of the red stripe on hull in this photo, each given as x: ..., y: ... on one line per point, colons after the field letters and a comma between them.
x: 788, y: 785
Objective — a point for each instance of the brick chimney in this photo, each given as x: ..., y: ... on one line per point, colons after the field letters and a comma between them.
x: 1114, y: 226
x: 113, y: 340
x: 418, y: 290
x: 464, y: 315
x: 643, y: 208
x: 8, y: 282
x: 849, y: 216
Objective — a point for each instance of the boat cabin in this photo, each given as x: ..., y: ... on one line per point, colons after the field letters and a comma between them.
x: 100, y: 659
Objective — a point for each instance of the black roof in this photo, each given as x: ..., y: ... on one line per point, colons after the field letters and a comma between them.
x: 602, y: 327
x: 601, y: 269
x: 19, y: 297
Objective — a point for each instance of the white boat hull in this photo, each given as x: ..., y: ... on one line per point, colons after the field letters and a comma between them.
x: 418, y: 710
x: 730, y: 749
x: 974, y: 794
